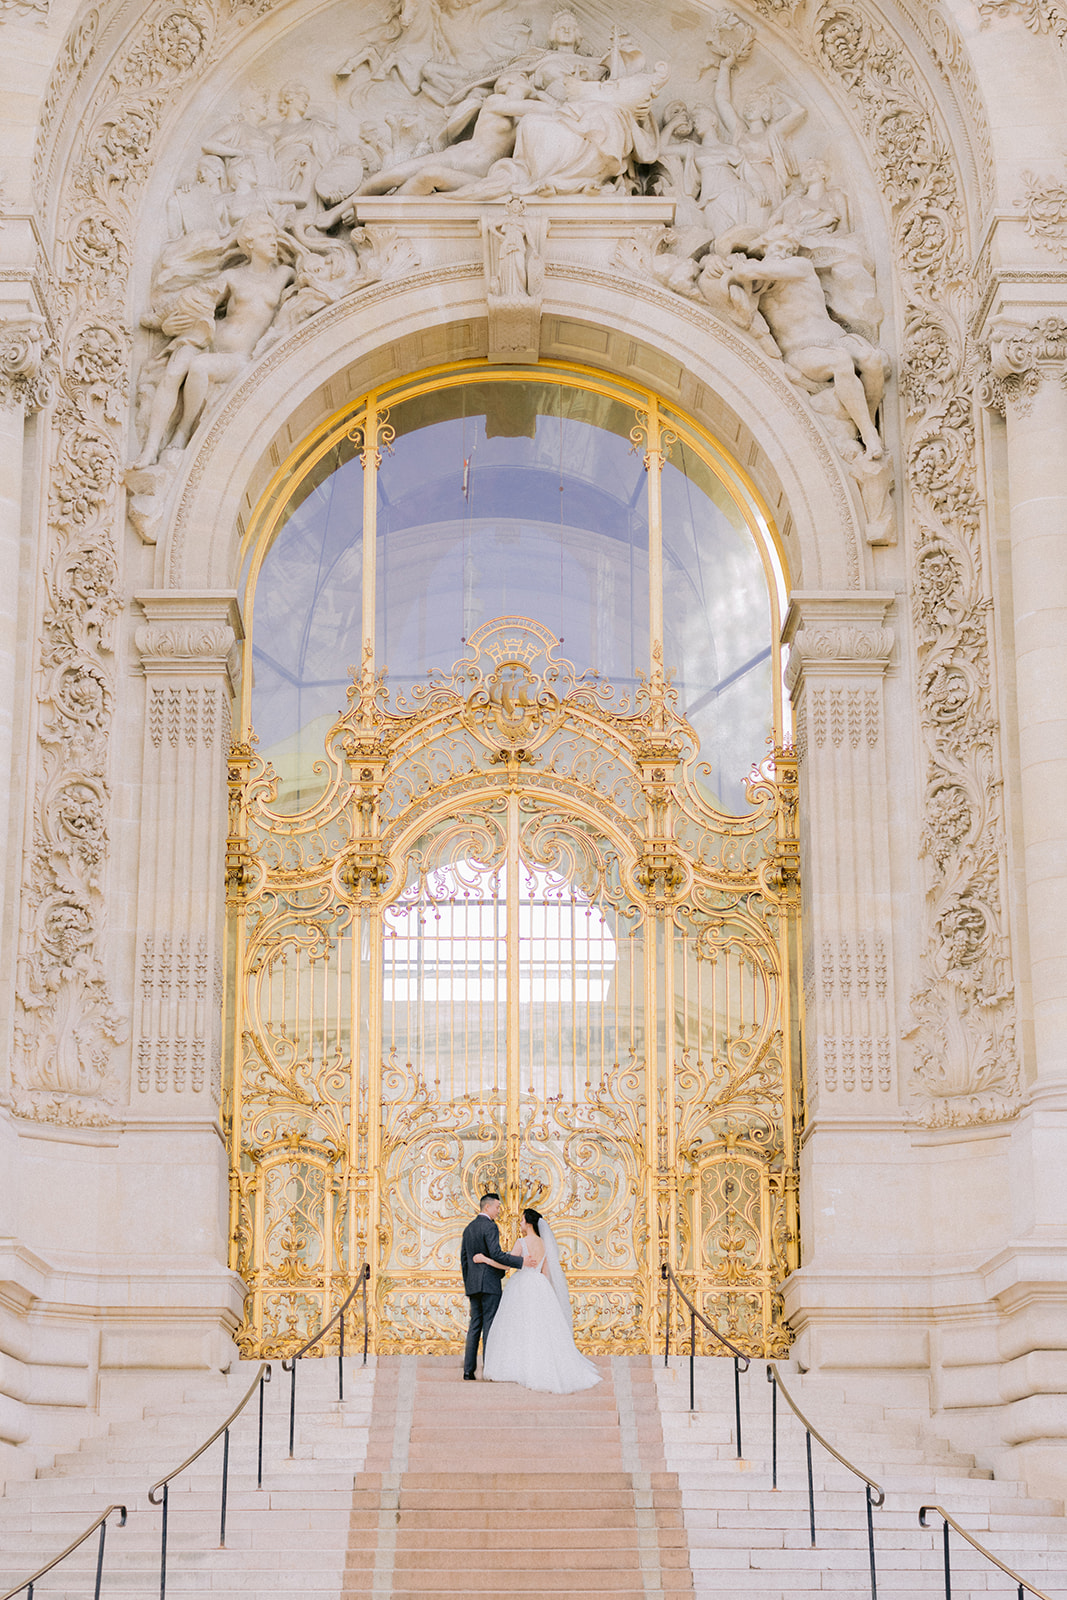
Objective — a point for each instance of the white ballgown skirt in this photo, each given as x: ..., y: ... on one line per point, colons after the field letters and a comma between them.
x: 531, y: 1341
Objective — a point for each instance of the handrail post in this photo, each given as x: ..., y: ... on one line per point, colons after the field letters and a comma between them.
x: 292, y: 1405
x: 737, y: 1404
x: 99, y: 1561
x: 163, y: 1549
x: 259, y: 1454
x: 366, y: 1324
x: 665, y: 1275
x: 948, y: 1564
x: 692, y: 1360
x: 774, y: 1429
x: 225, y: 1486
x: 870, y: 1544
x: 811, y: 1489
x: 341, y: 1362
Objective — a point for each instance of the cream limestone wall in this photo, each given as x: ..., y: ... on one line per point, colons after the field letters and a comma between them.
x: 922, y: 537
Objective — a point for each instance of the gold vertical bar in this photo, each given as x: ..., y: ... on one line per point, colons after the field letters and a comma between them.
x: 371, y: 920
x: 574, y: 998
x: 355, y: 1189
x: 657, y: 1248
x: 588, y: 997
x: 375, y: 978
x: 513, y: 1010
x: 451, y: 970
x: 371, y: 458
x: 669, y: 1000
x: 685, y: 988
x: 654, y: 468
x: 465, y: 947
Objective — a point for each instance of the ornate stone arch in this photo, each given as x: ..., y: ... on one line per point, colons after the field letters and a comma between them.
x: 728, y: 386
x: 124, y: 79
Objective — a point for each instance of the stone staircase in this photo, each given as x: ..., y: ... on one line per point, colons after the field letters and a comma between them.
x: 747, y: 1538
x: 420, y: 1485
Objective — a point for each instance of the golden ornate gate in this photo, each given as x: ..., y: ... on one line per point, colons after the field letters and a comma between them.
x: 512, y: 944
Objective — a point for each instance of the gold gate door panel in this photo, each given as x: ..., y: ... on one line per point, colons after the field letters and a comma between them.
x: 512, y: 945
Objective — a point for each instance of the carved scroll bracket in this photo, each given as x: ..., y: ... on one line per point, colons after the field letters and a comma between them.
x: 24, y: 366
x: 1023, y: 352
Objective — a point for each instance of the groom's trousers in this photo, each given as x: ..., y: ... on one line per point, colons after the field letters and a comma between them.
x: 484, y: 1308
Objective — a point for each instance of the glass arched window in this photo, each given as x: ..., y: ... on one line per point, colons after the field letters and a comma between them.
x: 515, y: 493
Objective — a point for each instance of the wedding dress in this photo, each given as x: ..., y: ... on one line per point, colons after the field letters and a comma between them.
x: 532, y: 1338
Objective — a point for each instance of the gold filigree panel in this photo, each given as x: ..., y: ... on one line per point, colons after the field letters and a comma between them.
x: 512, y: 945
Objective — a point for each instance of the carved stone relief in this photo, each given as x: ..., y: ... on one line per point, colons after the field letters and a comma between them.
x: 1040, y: 16
x: 514, y: 244
x: 176, y: 1016
x: 68, y: 1022
x: 1044, y: 205
x: 37, y: 10
x: 854, y: 1051
x: 264, y: 232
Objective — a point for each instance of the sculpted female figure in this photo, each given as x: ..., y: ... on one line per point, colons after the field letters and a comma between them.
x: 582, y: 145
x: 207, y: 348
x: 760, y: 131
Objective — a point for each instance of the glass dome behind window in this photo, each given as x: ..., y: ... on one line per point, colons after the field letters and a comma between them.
x: 519, y: 496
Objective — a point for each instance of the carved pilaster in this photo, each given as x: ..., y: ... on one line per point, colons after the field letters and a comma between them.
x: 186, y: 647
x: 839, y: 651
x: 1027, y: 346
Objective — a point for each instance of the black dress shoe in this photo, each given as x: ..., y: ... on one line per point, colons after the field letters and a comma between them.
x: 468, y: 1377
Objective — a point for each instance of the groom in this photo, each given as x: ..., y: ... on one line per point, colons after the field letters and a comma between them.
x: 482, y: 1285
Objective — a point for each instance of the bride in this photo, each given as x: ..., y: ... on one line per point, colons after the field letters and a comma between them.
x: 532, y: 1338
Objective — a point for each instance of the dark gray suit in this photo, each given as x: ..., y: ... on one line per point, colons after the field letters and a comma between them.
x: 483, y: 1285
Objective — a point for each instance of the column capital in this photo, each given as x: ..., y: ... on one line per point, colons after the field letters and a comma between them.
x: 1023, y: 349
x: 24, y: 376
x: 188, y: 632
x: 834, y: 633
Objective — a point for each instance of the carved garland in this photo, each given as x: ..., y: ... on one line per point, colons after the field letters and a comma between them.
x: 964, y: 1006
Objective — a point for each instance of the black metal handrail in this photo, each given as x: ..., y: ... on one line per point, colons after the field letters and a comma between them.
x: 289, y: 1364
x: 26, y: 1587
x: 695, y: 1316
x: 262, y: 1377
x: 875, y: 1494
x: 948, y: 1522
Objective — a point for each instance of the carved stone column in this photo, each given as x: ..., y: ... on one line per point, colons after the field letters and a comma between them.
x: 185, y: 646
x: 23, y: 388
x: 839, y: 651
x: 840, y: 648
x: 1027, y: 1279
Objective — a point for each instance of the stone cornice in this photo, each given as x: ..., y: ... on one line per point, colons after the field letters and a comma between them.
x: 834, y: 633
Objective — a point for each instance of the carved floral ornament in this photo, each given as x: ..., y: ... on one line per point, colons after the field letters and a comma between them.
x: 24, y: 344
x: 264, y: 232
x: 1021, y: 355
